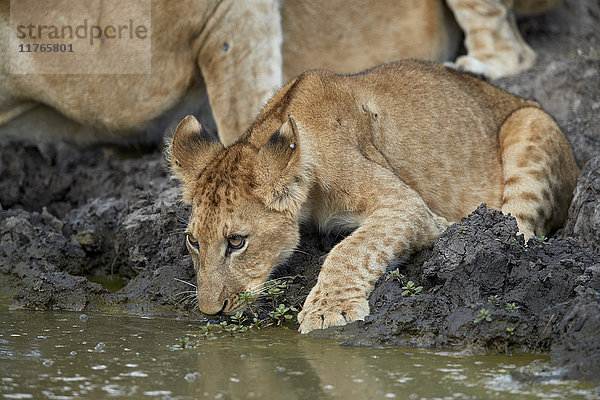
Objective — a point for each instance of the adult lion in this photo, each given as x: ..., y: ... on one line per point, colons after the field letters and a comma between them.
x: 238, y: 53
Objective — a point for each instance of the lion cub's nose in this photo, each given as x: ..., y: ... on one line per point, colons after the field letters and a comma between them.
x: 212, y: 309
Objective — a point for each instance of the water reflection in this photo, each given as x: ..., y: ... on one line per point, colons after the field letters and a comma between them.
x: 59, y: 356
x: 264, y: 367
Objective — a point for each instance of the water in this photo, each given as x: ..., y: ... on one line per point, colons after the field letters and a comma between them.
x: 58, y: 355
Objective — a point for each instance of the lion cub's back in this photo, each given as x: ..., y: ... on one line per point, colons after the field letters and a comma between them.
x: 438, y: 130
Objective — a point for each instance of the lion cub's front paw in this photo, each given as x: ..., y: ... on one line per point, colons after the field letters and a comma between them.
x: 320, y: 311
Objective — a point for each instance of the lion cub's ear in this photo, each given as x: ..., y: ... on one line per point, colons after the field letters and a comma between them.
x: 282, y: 176
x: 188, y: 153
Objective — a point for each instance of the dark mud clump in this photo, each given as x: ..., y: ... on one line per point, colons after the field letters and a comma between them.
x: 70, y: 218
x: 118, y: 219
x: 485, y: 289
x: 583, y: 221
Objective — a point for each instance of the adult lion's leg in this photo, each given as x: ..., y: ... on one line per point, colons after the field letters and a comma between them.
x: 240, y: 60
x: 494, y: 45
x: 539, y: 171
x: 397, y: 223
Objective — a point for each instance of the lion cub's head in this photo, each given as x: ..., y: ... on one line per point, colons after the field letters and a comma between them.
x: 245, y: 203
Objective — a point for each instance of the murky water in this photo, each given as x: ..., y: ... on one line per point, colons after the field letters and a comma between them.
x: 57, y: 355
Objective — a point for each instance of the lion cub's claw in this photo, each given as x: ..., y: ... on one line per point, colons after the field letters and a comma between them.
x: 323, y: 313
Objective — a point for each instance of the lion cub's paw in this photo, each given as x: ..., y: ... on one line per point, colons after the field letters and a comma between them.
x: 320, y: 312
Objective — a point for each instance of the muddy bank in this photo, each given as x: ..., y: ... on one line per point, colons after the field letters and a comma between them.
x: 70, y: 218
x: 486, y: 290
x: 541, y: 297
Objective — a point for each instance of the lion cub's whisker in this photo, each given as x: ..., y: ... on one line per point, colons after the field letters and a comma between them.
x: 188, y: 296
x: 187, y: 299
x: 301, y: 252
x: 266, y: 285
x: 187, y: 292
x: 187, y: 283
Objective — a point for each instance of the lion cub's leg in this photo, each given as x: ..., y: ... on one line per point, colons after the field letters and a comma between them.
x: 400, y: 223
x: 494, y: 45
x: 539, y: 171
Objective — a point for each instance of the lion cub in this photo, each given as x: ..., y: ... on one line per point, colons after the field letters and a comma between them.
x: 397, y: 152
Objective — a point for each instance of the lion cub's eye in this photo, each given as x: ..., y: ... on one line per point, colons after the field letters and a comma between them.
x: 235, y: 242
x: 192, y: 241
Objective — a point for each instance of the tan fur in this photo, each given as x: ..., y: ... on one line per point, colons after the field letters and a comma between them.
x: 237, y: 52
x: 397, y: 152
x: 494, y: 44
x: 267, y: 41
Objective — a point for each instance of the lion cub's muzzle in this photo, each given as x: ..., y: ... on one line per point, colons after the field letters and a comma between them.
x: 232, y: 305
x: 228, y: 306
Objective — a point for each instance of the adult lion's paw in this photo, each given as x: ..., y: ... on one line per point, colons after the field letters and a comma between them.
x: 320, y: 312
x: 498, y: 66
x: 475, y: 66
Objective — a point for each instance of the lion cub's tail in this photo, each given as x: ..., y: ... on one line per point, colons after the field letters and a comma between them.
x: 540, y: 172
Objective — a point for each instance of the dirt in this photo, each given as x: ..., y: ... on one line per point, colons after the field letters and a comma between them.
x: 71, y: 217
x: 479, y: 266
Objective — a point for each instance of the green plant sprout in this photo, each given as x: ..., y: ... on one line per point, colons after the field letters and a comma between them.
x: 410, y: 289
x: 494, y: 299
x: 274, y: 289
x: 539, y: 241
x: 511, y: 307
x: 283, y: 313
x: 240, y: 321
x: 239, y: 318
x: 395, y: 274
x: 483, y: 315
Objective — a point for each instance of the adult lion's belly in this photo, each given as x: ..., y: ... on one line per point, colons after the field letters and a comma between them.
x: 350, y: 36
